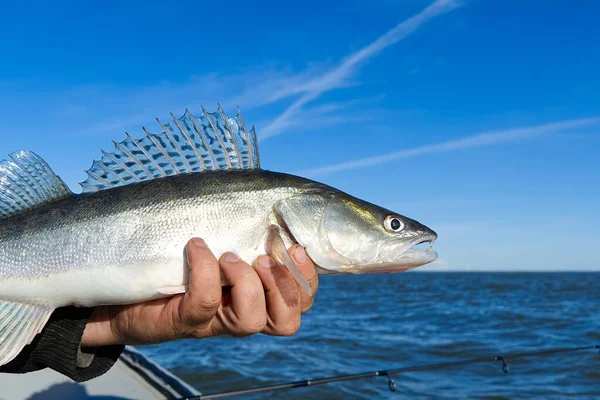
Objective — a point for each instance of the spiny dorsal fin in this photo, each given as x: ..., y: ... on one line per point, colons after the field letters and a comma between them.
x: 212, y: 141
x: 26, y: 182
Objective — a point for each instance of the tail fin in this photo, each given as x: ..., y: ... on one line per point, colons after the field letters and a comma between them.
x: 19, y: 323
x: 26, y: 182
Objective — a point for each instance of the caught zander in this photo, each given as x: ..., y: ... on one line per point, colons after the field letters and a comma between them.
x: 122, y: 240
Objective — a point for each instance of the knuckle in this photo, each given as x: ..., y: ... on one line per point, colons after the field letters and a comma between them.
x: 210, y: 304
x: 202, y: 312
x: 191, y: 319
x: 290, y: 328
x: 197, y: 333
x: 180, y: 325
x: 314, y: 281
x: 198, y: 330
x: 186, y: 328
x: 252, y: 325
x: 307, y: 307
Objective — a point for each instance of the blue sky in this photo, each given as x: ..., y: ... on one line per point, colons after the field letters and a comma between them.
x: 480, y: 119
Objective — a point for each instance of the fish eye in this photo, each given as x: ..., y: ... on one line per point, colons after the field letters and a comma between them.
x: 393, y: 224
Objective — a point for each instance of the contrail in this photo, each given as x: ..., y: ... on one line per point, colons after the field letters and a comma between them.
x: 333, y: 78
x: 481, y: 140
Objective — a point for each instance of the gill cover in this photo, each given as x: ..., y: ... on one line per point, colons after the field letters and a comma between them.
x: 301, y: 214
x: 352, y: 231
x: 333, y: 231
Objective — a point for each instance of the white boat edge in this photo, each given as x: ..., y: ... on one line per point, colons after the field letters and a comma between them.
x: 134, y: 376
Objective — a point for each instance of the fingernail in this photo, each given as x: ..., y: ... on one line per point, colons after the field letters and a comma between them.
x: 265, y: 262
x: 199, y: 242
x: 300, y: 255
x: 231, y: 257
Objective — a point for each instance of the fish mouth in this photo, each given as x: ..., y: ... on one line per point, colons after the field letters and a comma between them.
x: 419, y: 256
x: 410, y: 257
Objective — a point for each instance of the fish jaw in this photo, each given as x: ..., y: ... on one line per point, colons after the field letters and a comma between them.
x: 398, y: 257
x: 412, y: 260
x: 405, y: 255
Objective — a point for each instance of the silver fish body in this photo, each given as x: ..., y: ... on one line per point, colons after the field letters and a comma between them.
x: 126, y: 244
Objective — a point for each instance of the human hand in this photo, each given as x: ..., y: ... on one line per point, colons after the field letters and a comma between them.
x: 263, y: 298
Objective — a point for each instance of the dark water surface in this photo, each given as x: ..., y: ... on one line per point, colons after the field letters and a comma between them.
x: 368, y: 322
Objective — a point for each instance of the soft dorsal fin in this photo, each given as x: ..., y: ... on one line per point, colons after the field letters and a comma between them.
x: 212, y: 141
x: 26, y: 182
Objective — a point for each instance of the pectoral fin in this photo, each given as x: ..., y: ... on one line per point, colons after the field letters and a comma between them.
x: 278, y: 252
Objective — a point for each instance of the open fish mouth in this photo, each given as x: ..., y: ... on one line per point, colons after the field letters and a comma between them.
x: 419, y: 255
x: 408, y: 259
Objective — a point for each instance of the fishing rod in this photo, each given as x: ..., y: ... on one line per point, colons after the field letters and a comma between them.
x: 389, y: 372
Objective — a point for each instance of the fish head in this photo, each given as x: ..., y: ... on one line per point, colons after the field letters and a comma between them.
x: 343, y: 234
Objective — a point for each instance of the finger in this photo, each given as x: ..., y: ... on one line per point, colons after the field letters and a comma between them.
x: 246, y: 314
x: 204, y: 295
x: 282, y: 296
x: 309, y: 270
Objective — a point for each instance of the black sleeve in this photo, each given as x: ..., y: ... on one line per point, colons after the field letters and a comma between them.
x: 58, y: 347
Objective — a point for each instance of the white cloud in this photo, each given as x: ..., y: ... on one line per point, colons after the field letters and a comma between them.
x: 110, y: 109
x: 481, y: 140
x: 337, y: 77
x: 334, y: 113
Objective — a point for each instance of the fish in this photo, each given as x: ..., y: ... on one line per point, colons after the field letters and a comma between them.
x: 122, y: 239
